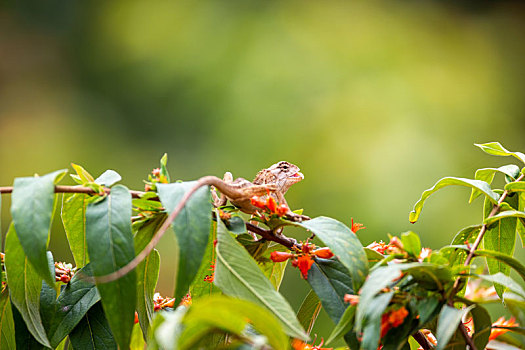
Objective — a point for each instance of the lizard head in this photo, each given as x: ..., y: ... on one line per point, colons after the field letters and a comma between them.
x: 285, y: 174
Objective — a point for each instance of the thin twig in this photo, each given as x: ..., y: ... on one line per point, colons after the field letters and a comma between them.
x: 422, y: 340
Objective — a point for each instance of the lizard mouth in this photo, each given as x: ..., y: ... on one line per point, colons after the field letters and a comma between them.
x: 298, y: 175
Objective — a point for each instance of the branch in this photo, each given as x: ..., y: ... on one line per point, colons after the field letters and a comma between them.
x: 422, y: 340
x: 270, y: 236
x: 75, y: 189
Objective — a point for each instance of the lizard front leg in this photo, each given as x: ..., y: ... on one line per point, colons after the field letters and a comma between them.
x: 219, y: 201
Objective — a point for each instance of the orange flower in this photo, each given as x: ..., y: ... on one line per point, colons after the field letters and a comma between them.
x: 271, y: 204
x: 324, y: 253
x: 300, y: 345
x: 356, y: 226
x: 282, y: 210
x: 136, y: 317
x: 352, y: 299
x: 258, y: 202
x: 304, y: 263
x: 280, y: 256
x: 392, y: 319
x: 425, y: 253
x: 501, y: 322
x: 160, y: 303
x: 378, y: 247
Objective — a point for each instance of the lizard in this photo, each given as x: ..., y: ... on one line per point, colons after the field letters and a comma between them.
x: 274, y: 181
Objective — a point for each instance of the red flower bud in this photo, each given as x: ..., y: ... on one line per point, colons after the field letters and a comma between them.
x: 271, y: 204
x: 136, y: 317
x: 280, y: 256
x: 282, y: 210
x: 324, y: 253
x: 257, y: 202
x: 65, y: 278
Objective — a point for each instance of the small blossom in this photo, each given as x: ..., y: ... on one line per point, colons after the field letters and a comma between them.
x: 271, y: 204
x: 304, y: 263
x: 186, y: 301
x: 501, y: 322
x: 156, y: 172
x: 136, y: 317
x: 425, y: 253
x: 280, y: 256
x: 160, y: 303
x: 324, y: 253
x: 356, y: 226
x: 378, y: 247
x: 352, y: 299
x: 475, y: 292
x: 282, y: 210
x: 258, y: 202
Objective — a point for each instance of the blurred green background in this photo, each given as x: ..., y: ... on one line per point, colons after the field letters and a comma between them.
x: 374, y: 100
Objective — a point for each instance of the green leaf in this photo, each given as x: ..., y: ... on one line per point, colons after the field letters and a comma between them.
x: 76, y: 298
x: 274, y: 271
x: 371, y: 333
x: 7, y: 327
x: 74, y: 220
x: 232, y: 315
x: 467, y: 234
x: 32, y: 208
x: 520, y: 228
x: 147, y: 276
x: 343, y: 243
x: 191, y: 227
x: 163, y: 167
x: 482, y: 326
x: 345, y: 325
x: 506, y: 259
x: 137, y: 339
x: 500, y: 237
x: 487, y: 175
x: 200, y: 287
x: 504, y: 215
x: 505, y: 281
x: 482, y: 186
x: 83, y: 174
x: 308, y: 311
x: 24, y: 286
x: 93, y: 332
x: 377, y: 280
x: 329, y: 280
x: 108, y: 178
x: 23, y: 338
x: 147, y: 270
x: 237, y: 274
x: 411, y: 243
x: 516, y: 307
x: 448, y: 322
x: 496, y: 149
x: 110, y: 247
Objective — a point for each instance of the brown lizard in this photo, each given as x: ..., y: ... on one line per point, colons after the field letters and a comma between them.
x: 275, y: 180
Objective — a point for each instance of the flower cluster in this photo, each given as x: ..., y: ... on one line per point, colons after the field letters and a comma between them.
x: 154, y: 178
x: 501, y: 322
x: 160, y: 303
x: 302, y: 258
x: 64, y: 272
x: 356, y: 226
x: 300, y: 345
x: 211, y: 277
x: 392, y: 319
x: 270, y: 205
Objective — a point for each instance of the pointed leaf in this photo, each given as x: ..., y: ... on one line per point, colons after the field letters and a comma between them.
x: 201, y: 286
x: 500, y: 237
x: 345, y: 325
x: 487, y: 175
x: 482, y: 326
x: 448, y: 322
x: 74, y: 220
x: 76, y: 298
x: 496, y: 149
x: 93, y: 332
x: 24, y: 286
x: 7, y: 327
x: 505, y: 281
x: 309, y: 310
x: 108, y: 178
x: 110, y: 246
x: 411, y: 243
x: 191, y: 227
x: 343, y: 243
x: 147, y: 277
x: 232, y: 315
x: 237, y: 274
x: 32, y: 208
x: 23, y: 338
x: 329, y: 280
x: 83, y: 174
x: 482, y: 186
